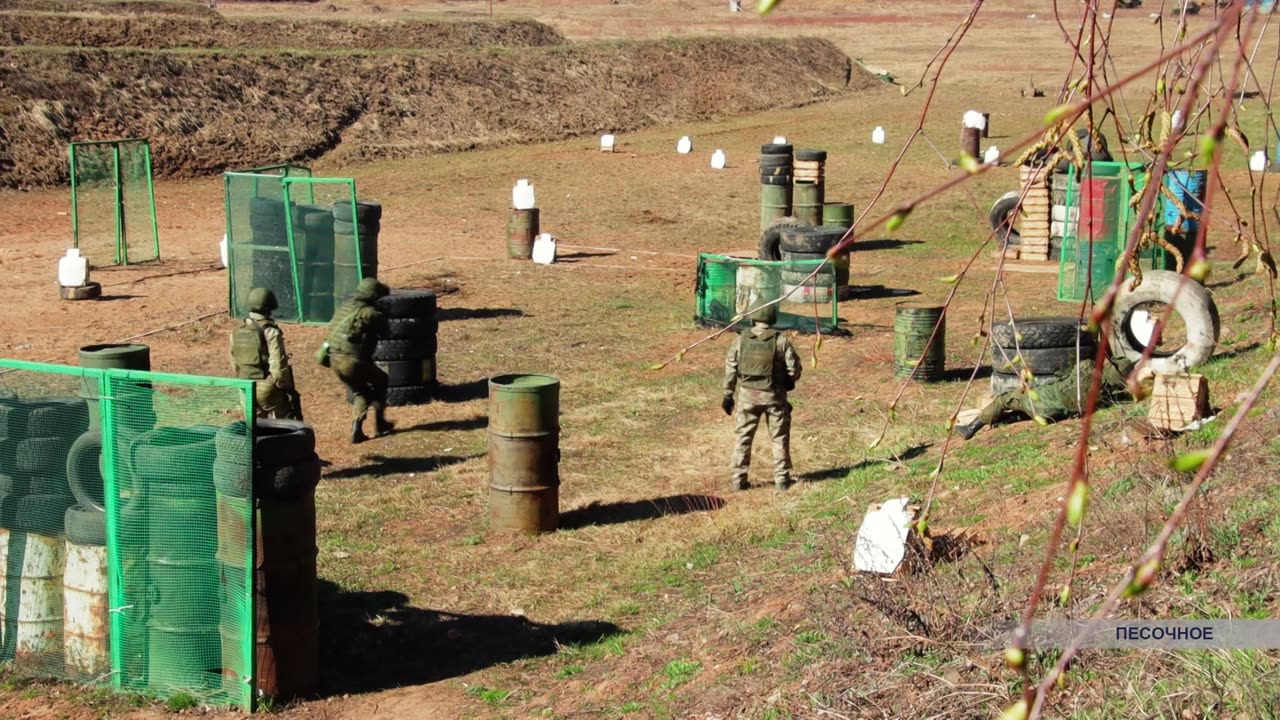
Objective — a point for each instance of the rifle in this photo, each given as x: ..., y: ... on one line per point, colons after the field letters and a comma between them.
x: 295, y: 403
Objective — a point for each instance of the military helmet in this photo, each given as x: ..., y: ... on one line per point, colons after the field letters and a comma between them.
x: 262, y: 300
x: 767, y: 314
x: 371, y: 288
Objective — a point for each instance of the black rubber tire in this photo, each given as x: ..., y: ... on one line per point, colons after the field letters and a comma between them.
x: 781, y: 180
x: 1194, y: 304
x: 58, y: 417
x: 769, y: 247
x: 42, y: 456
x: 9, y: 456
x: 1040, y: 361
x: 802, y: 256
x: 410, y: 395
x: 14, y: 484
x: 408, y: 373
x: 1002, y: 217
x: 152, y: 454
x: 411, y: 328
x: 1003, y: 383
x: 232, y: 478
x: 85, y: 526
x: 395, y: 350
x: 282, y: 442
x: 287, y: 482
x: 43, y: 514
x: 1040, y: 332
x: 84, y: 470
x: 809, y: 239
x: 321, y: 221
x: 365, y: 211
x: 49, y: 485
x: 776, y: 149
x: 1103, y: 154
x: 89, y: 291
x: 231, y: 443
x: 811, y: 155
x: 367, y: 229
x: 9, y: 508
x: 408, y: 304
x: 774, y: 161
x: 13, y: 418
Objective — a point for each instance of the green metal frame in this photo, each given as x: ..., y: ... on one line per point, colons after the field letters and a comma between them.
x: 310, y: 184
x: 704, y: 258
x: 106, y: 380
x: 1133, y: 179
x: 121, y: 242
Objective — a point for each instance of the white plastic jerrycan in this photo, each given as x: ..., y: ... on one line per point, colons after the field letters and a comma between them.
x: 544, y: 249
x: 73, y: 270
x: 779, y: 140
x: 1258, y: 161
x: 718, y: 159
x: 606, y: 143
x: 522, y: 195
x: 992, y: 156
x: 684, y: 146
x: 222, y: 250
x: 877, y: 135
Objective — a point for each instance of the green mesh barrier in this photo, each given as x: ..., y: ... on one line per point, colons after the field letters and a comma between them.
x: 282, y: 234
x: 126, y: 533
x: 1100, y: 217
x: 729, y: 286
x: 113, y: 207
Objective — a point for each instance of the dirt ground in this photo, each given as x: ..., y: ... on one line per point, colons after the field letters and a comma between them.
x: 427, y: 614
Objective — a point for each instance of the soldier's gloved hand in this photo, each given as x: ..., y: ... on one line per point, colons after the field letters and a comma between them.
x: 727, y: 404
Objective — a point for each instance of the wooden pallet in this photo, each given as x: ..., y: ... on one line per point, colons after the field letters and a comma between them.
x: 1177, y: 400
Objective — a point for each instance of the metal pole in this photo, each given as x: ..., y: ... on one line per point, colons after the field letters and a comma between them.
x: 151, y: 194
x: 75, y: 210
x: 120, y: 229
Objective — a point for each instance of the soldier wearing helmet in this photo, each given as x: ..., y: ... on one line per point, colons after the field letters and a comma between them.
x: 355, y: 329
x: 761, y: 367
x: 257, y: 351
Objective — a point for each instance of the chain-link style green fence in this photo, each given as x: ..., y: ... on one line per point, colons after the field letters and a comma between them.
x: 1100, y: 217
x: 126, y: 530
x: 113, y: 204
x: 727, y: 287
x: 291, y: 233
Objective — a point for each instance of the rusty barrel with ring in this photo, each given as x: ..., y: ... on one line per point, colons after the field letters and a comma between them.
x: 524, y: 453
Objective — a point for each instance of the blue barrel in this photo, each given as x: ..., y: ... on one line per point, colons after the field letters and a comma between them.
x: 1188, y: 186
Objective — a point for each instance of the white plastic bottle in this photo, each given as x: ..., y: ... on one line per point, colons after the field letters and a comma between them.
x: 877, y: 135
x: 717, y: 160
x: 606, y: 143
x: 522, y: 195
x: 685, y: 146
x: 73, y: 270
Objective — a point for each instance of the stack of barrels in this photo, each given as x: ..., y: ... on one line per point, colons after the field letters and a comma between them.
x: 408, y: 352
x: 810, y: 189
x: 775, y: 183
x: 352, y: 261
x: 1034, y: 244
x: 803, y: 247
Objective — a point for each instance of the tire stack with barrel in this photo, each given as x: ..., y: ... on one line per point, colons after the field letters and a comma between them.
x: 809, y: 193
x: 351, y: 260
x: 801, y: 247
x: 775, y: 183
x: 314, y: 249
x: 1036, y: 349
x: 408, y: 353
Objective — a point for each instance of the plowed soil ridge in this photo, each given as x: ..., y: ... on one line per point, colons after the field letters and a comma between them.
x: 114, y: 7
x: 206, y: 112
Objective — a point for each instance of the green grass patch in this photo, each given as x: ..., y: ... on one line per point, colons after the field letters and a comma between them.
x: 679, y: 672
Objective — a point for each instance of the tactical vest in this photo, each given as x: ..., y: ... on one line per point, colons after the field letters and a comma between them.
x: 757, y: 361
x: 348, y: 334
x: 249, y: 351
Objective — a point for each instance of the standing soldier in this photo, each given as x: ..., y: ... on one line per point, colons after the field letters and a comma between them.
x: 762, y: 365
x: 257, y: 350
x: 355, y: 329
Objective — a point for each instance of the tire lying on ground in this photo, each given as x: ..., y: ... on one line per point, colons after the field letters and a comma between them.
x: 1193, y: 303
x: 1037, y: 332
x: 770, y: 240
x: 1040, y: 361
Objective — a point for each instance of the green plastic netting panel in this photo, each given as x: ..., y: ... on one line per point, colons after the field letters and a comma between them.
x: 728, y: 287
x: 1100, y: 218
x: 258, y: 242
x: 180, y: 534
x: 126, y: 530
x: 113, y: 208
x: 327, y: 257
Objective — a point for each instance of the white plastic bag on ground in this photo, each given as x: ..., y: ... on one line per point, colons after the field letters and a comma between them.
x: 881, y: 543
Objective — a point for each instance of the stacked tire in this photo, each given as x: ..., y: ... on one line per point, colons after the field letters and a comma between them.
x: 269, y: 235
x: 283, y: 466
x: 776, y: 175
x: 1043, y: 347
x: 347, y: 267
x: 408, y: 352
x: 35, y: 439
x: 806, y: 243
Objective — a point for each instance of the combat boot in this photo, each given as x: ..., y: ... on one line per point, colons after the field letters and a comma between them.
x: 357, y: 432
x: 381, y: 425
x: 783, y: 485
x: 968, y: 431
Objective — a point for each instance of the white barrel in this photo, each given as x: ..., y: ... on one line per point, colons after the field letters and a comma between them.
x: 85, y: 627
x: 39, y: 622
x: 755, y: 287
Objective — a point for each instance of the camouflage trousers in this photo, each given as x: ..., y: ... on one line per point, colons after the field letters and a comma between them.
x: 366, y: 381
x: 271, y: 401
x: 750, y: 406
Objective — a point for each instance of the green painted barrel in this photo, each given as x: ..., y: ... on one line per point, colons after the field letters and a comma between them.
x: 913, y: 326
x: 183, y: 658
x: 109, y: 357
x: 522, y: 230
x: 717, y: 290
x: 839, y: 214
x: 775, y: 202
x: 806, y: 202
x: 347, y: 273
x: 524, y: 453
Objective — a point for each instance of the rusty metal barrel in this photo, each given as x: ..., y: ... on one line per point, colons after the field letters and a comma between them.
x: 970, y: 138
x: 524, y: 453
x: 287, y: 616
x: 522, y: 230
x: 913, y: 326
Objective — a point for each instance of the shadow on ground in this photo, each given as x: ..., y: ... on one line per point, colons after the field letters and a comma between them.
x: 382, y: 465
x: 376, y: 640
x: 571, y: 257
x: 882, y: 244
x: 962, y: 374
x: 443, y: 314
x: 877, y: 292
x: 471, y: 423
x: 465, y: 392
x: 837, y: 473
x: 621, y: 512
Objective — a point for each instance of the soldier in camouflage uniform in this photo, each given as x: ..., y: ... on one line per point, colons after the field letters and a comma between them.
x: 355, y: 329
x: 1059, y: 398
x: 257, y: 350
x: 762, y: 365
